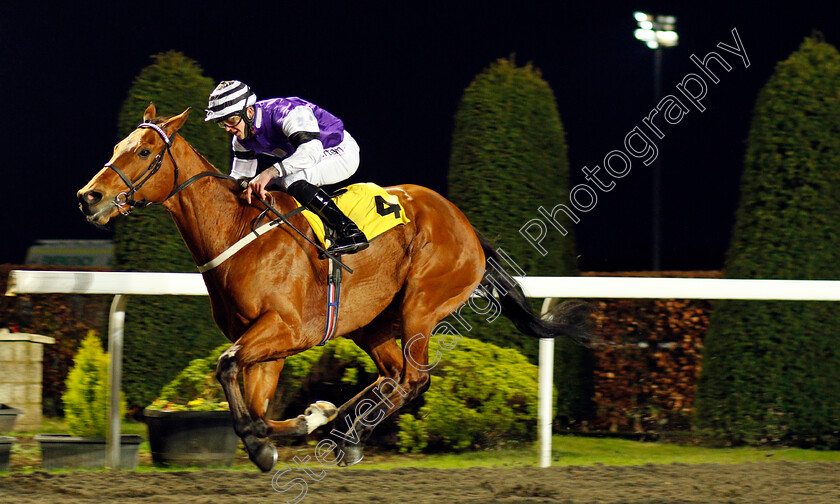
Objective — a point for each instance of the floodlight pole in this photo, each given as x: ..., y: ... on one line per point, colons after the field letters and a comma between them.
x: 656, y: 32
x: 657, y: 168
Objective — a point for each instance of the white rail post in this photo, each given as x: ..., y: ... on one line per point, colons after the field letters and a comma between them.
x: 545, y: 388
x: 116, y: 326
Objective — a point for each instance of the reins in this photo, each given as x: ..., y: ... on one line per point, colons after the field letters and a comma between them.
x: 126, y: 199
x: 285, y: 220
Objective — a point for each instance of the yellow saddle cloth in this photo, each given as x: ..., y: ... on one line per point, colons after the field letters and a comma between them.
x: 369, y: 206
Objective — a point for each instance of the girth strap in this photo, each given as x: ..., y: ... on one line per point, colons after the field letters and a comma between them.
x: 333, y: 295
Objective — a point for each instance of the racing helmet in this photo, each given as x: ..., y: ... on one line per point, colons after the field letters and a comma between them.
x: 229, y: 98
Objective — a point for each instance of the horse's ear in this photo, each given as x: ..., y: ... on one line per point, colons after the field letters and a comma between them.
x: 150, y: 112
x: 175, y: 123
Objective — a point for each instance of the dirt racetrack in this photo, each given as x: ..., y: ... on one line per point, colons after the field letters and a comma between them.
x: 765, y: 483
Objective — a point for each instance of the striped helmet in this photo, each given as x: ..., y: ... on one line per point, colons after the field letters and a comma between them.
x: 229, y: 97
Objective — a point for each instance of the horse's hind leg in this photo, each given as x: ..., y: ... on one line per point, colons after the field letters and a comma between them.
x: 435, y: 286
x: 358, y: 416
x: 404, y: 372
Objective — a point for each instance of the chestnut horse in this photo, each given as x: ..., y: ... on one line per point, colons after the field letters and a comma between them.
x: 269, y: 298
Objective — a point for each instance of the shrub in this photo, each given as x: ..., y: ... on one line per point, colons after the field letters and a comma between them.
x: 481, y: 396
x: 647, y: 364
x: 195, y: 388
x: 65, y: 317
x: 87, y: 397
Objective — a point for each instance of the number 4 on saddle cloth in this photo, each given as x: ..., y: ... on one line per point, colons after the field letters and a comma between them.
x: 372, y: 209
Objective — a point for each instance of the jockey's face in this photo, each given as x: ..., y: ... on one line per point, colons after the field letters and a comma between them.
x: 237, y: 126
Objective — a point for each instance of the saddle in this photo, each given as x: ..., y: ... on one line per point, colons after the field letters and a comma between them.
x: 368, y: 205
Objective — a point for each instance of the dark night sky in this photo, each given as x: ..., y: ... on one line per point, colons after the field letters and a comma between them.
x: 395, y: 72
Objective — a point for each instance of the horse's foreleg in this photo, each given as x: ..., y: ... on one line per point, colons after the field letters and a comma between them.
x: 260, y: 381
x: 248, y: 350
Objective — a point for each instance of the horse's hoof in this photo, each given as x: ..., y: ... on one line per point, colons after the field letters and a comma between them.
x: 328, y: 408
x: 266, y: 457
x: 318, y: 414
x: 353, y: 454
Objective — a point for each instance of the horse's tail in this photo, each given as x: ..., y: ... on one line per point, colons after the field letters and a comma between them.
x: 566, y: 319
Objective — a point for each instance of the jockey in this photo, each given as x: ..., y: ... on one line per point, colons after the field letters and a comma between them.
x: 313, y: 147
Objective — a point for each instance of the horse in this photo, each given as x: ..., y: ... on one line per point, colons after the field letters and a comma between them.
x: 268, y: 298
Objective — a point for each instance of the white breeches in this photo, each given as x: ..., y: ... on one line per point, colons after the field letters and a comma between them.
x: 337, y: 164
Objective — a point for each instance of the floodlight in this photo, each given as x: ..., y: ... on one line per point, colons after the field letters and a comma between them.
x: 641, y: 16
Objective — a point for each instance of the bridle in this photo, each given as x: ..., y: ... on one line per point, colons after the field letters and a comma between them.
x: 125, y: 201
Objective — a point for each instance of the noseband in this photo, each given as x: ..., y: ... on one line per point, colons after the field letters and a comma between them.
x: 125, y: 201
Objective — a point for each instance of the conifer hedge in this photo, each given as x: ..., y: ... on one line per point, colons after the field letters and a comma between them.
x: 508, y: 158
x: 771, y: 370
x: 164, y: 333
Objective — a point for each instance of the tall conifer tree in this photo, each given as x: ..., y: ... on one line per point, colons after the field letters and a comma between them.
x: 508, y: 158
x: 771, y: 370
x: 163, y: 333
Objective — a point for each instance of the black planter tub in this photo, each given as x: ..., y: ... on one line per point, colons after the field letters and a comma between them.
x: 191, y: 438
x: 8, y: 416
x: 6, y: 443
x: 62, y: 451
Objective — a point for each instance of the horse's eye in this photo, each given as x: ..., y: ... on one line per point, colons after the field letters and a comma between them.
x: 144, y: 153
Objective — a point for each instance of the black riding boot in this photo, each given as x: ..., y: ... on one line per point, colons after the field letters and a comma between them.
x: 349, y: 238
